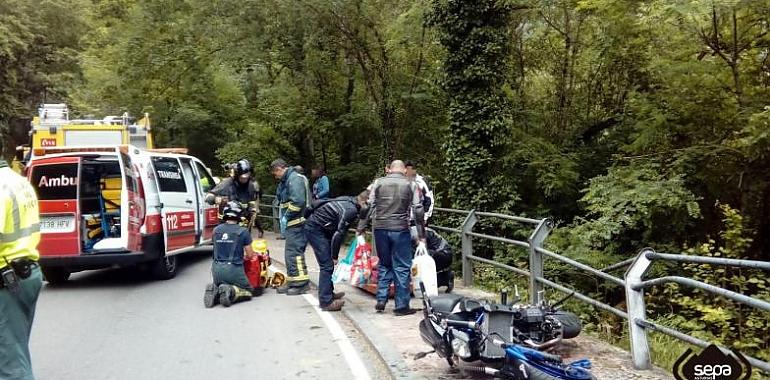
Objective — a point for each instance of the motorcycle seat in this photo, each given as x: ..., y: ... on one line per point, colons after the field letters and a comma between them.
x: 445, y: 303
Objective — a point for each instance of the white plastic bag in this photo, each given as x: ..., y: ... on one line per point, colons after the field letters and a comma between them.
x: 424, y: 270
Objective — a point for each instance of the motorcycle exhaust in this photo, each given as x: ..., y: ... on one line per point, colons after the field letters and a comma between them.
x: 481, y: 370
x: 543, y: 346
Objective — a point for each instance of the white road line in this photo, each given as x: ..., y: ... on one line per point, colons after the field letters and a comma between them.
x: 351, y: 356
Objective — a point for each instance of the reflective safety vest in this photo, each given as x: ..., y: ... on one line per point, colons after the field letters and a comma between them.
x: 19, y: 217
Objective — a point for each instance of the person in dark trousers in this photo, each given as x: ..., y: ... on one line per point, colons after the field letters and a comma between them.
x: 20, y: 276
x: 426, y: 191
x: 441, y: 252
x: 231, y: 243
x: 240, y: 187
x: 325, y: 228
x: 390, y: 202
x: 293, y: 197
x: 321, y: 184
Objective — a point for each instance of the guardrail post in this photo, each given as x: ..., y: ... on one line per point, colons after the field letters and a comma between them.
x: 467, y: 247
x: 536, y: 259
x: 637, y: 312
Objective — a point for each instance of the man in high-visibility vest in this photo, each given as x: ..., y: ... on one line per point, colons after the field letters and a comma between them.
x: 20, y: 275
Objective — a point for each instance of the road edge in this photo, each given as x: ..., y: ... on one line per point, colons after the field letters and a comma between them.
x: 397, y: 367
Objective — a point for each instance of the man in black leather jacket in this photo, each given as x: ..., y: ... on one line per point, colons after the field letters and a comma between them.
x: 326, y: 226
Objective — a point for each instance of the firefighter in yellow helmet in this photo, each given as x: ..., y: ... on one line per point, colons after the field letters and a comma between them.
x: 20, y: 273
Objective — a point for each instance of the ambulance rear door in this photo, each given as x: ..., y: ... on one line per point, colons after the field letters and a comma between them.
x: 177, y: 203
x: 131, y: 202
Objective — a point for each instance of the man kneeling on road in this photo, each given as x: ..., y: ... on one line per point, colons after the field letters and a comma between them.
x: 230, y: 241
x: 325, y: 228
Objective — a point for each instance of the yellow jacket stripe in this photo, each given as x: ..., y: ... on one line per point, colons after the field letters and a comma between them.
x: 295, y: 222
x: 291, y: 207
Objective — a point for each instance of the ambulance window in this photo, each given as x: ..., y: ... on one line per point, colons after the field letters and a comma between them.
x: 57, y: 181
x: 206, y: 181
x: 169, y: 174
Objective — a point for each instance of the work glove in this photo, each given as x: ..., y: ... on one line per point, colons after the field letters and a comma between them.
x: 421, y: 249
x: 360, y: 239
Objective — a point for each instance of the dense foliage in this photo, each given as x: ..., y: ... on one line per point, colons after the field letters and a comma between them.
x: 632, y: 123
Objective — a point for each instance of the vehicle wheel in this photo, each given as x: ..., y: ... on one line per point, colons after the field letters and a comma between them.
x: 164, y: 268
x: 570, y: 322
x: 56, y: 275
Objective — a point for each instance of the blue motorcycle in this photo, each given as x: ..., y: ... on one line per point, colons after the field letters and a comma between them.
x: 465, y: 329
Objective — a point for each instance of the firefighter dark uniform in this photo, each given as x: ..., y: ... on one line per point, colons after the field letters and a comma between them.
x: 293, y: 197
x: 21, y: 277
x: 247, y: 193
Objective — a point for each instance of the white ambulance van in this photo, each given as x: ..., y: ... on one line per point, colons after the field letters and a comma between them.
x: 114, y: 206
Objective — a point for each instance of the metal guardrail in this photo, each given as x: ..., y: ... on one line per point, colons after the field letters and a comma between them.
x: 635, y: 285
x: 632, y: 281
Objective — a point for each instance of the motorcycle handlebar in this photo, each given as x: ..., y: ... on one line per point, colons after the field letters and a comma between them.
x: 466, y: 324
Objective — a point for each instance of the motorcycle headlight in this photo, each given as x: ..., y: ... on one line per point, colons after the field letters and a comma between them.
x: 461, y: 348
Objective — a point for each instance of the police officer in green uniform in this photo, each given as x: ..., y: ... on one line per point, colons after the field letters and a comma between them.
x: 21, y: 277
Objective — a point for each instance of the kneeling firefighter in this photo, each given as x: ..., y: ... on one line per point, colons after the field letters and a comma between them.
x: 230, y: 242
x: 441, y: 252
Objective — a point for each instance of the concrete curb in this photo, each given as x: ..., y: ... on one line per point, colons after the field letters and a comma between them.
x: 397, y: 366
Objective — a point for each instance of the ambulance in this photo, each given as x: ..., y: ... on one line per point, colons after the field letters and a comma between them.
x: 119, y: 205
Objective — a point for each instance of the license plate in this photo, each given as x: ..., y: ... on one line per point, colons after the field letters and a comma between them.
x: 57, y: 224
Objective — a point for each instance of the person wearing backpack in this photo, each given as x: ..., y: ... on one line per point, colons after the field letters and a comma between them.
x: 326, y: 226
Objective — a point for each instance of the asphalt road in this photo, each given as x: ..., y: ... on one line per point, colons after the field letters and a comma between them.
x: 119, y: 324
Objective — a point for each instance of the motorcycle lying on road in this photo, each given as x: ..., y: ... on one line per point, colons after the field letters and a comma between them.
x: 510, y: 338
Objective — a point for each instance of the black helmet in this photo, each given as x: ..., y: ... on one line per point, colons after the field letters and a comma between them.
x: 242, y: 167
x: 232, y: 211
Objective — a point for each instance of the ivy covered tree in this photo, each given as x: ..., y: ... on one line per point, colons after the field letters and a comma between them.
x: 476, y: 37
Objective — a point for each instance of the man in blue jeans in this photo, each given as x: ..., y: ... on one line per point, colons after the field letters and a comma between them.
x: 326, y: 226
x: 390, y: 202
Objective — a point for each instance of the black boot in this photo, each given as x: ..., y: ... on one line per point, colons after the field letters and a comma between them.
x: 226, y: 295
x: 450, y: 282
x: 297, y: 290
x: 211, y: 296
